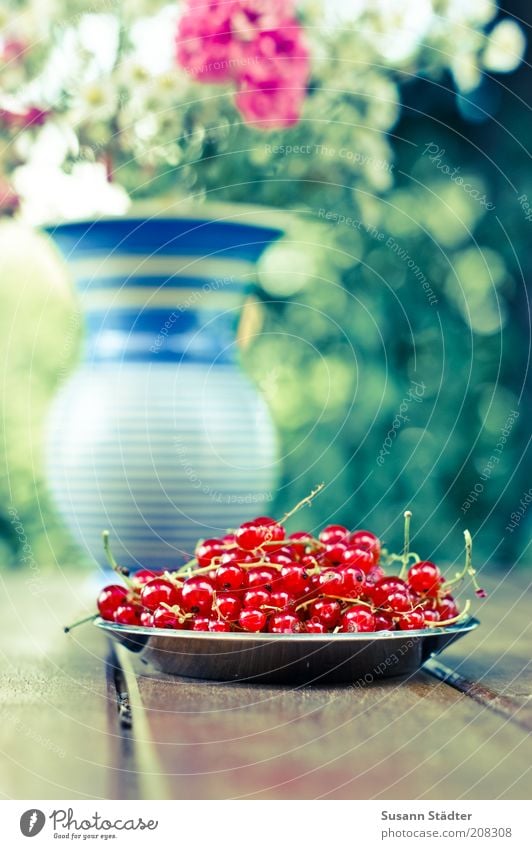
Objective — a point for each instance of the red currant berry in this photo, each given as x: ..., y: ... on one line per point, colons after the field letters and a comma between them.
x: 383, y: 622
x: 218, y: 625
x: 412, y: 621
x: 127, y: 614
x: 284, y: 623
x: 109, y: 599
x: 333, y: 534
x: 300, y: 541
x: 353, y: 585
x: 331, y: 583
x: 295, y: 579
x: 282, y: 557
x: 357, y: 618
x: 197, y: 595
x: 398, y: 602
x: 256, y: 597
x: 281, y: 599
x: 229, y: 606
x: 144, y: 575
x: 368, y: 542
x: 325, y: 611
x: 251, y: 535
x: 424, y: 577
x: 333, y: 555
x: 200, y: 623
x: 383, y: 588
x: 146, y: 619
x: 359, y: 558
x: 264, y: 577
x: 231, y: 577
x: 207, y: 550
x: 314, y: 626
x: 164, y: 618
x: 159, y: 591
x: 447, y: 609
x: 431, y: 615
x: 252, y: 620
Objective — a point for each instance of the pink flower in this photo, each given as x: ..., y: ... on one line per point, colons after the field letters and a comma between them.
x: 33, y: 116
x: 257, y: 44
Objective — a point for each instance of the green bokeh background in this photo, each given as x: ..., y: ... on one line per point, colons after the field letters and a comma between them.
x: 346, y: 328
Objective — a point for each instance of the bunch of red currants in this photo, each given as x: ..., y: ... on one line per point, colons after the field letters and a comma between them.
x: 258, y: 579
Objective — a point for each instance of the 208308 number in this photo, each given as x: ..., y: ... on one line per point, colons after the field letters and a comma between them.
x: 490, y: 831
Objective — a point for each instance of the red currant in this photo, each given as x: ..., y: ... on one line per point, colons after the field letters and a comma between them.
x: 231, y: 577
x: 281, y: 599
x: 333, y: 534
x: 431, y: 615
x: 229, y: 606
x: 251, y: 535
x: 447, y: 608
x: 127, y: 614
x: 159, y: 591
x: 146, y: 619
x: 383, y: 622
x: 412, y: 621
x: 256, y: 597
x: 252, y: 620
x: 352, y: 582
x: 164, y: 618
x: 197, y: 595
x: 357, y: 618
x: 218, y: 625
x: 144, y: 575
x: 424, y: 577
x: 109, y: 599
x: 398, y: 602
x: 314, y: 626
x: 359, y: 558
x: 333, y: 555
x: 368, y: 542
x: 384, y: 587
x: 200, y: 623
x: 300, y: 541
x: 295, y: 579
x: 326, y: 611
x: 284, y: 623
x: 207, y: 550
x: 263, y: 576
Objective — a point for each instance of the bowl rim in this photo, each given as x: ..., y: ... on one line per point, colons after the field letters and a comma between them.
x: 469, y: 624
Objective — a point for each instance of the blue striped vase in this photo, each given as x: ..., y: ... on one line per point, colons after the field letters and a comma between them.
x: 159, y: 436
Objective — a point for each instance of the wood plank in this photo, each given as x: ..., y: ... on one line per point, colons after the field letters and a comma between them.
x: 497, y: 657
x: 395, y: 739
x: 59, y: 737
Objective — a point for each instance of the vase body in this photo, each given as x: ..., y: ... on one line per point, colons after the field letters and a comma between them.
x: 159, y: 436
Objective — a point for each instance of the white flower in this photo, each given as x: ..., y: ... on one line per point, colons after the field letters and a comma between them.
x: 506, y: 47
x: 48, y: 194
x: 396, y: 29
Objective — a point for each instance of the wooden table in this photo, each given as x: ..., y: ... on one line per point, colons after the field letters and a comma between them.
x: 62, y: 735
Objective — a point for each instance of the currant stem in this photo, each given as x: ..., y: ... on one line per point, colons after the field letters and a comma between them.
x: 300, y: 504
x: 406, y: 546
x: 120, y: 570
x: 452, y: 621
x: 90, y: 618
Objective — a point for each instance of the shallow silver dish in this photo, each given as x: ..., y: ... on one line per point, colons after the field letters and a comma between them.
x: 286, y: 659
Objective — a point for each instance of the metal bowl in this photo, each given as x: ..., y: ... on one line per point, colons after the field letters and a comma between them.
x: 286, y: 659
